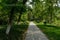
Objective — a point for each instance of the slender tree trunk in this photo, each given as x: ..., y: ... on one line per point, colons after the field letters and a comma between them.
x: 51, y: 12
x: 8, y: 29
x: 11, y: 17
x: 10, y: 20
x: 29, y: 16
x: 24, y: 2
x: 18, y: 22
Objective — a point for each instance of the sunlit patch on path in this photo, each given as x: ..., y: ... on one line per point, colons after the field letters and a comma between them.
x: 34, y: 33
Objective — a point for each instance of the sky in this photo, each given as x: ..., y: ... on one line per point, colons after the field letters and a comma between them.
x: 58, y: 4
x: 28, y: 4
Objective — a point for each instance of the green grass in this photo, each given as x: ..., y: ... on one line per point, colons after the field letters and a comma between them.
x: 52, y: 32
x: 16, y: 32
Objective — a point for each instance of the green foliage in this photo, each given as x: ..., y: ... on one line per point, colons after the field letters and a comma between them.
x: 17, y: 32
x: 52, y: 32
x: 42, y: 9
x: 46, y: 10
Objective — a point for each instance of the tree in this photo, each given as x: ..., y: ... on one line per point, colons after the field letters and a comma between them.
x: 11, y: 15
x: 22, y: 9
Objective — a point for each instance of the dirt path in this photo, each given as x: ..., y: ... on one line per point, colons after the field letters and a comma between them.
x: 34, y: 33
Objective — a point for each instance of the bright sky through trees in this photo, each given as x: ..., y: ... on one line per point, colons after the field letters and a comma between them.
x: 58, y: 3
x: 28, y: 4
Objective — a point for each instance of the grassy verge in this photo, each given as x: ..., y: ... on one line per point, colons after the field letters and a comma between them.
x: 52, y: 32
x: 16, y: 32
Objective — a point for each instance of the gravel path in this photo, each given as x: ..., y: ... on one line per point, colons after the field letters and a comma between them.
x: 34, y: 33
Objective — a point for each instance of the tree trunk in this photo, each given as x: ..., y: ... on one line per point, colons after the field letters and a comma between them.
x: 19, y: 18
x: 10, y: 20
x: 8, y: 29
